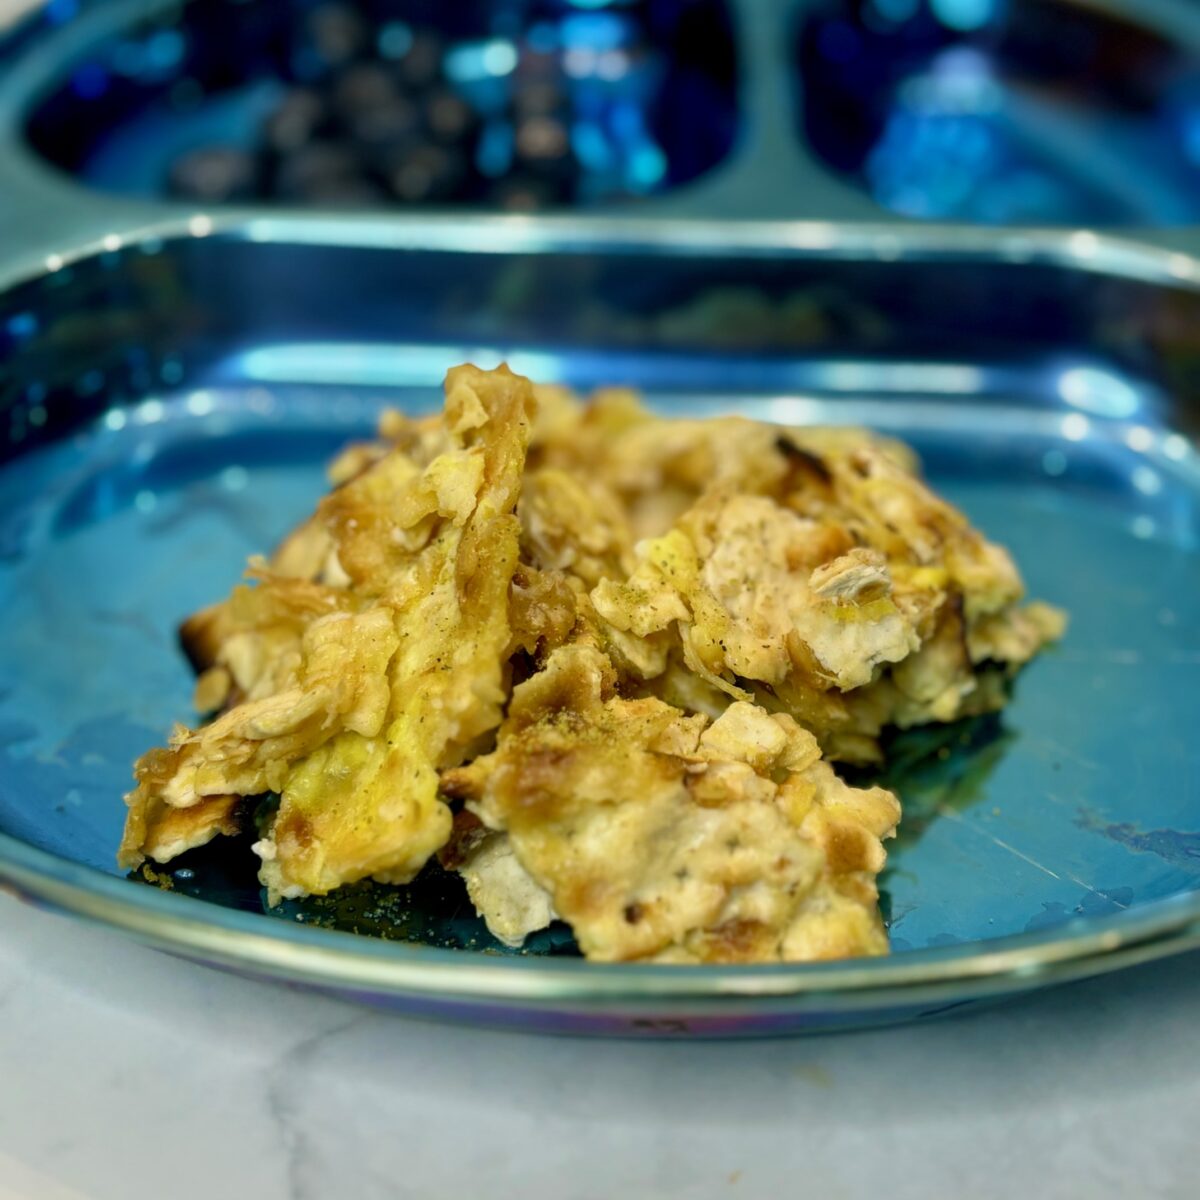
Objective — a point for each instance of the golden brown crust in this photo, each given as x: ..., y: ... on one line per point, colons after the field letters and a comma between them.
x: 355, y: 695
x: 830, y: 572
x: 681, y: 617
x: 180, y: 829
x: 203, y: 633
x: 661, y: 836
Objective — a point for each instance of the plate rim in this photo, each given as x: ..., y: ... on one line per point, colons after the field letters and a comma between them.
x: 1118, y: 254
x: 339, y: 960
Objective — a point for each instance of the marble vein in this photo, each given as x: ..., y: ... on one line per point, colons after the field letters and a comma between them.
x: 284, y: 1080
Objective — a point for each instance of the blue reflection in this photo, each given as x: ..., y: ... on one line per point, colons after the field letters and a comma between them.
x: 640, y: 97
x: 473, y: 62
x: 494, y: 154
x: 61, y: 11
x: 949, y: 148
x: 384, y: 365
x: 839, y: 42
x: 591, y: 146
x: 155, y: 58
x: 973, y: 110
x: 1191, y: 135
x: 627, y: 123
x: 164, y: 51
x: 964, y: 15
x: 647, y: 168
x: 960, y: 80
x: 597, y: 31
x: 21, y: 326
x: 90, y: 81
x: 1098, y: 392
x: 542, y: 37
x: 394, y: 39
x: 895, y: 11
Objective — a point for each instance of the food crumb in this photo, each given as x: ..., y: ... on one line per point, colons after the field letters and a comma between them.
x: 160, y: 879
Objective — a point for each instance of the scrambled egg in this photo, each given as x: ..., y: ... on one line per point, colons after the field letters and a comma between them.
x: 659, y: 835
x: 352, y: 697
x: 598, y: 662
x: 842, y: 592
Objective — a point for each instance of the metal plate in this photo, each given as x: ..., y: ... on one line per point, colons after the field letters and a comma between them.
x: 148, y: 82
x: 924, y: 92
x: 170, y: 401
x: 1028, y: 111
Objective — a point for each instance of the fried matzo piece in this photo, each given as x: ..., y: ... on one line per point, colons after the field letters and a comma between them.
x: 357, y: 694
x: 853, y: 599
x: 653, y: 781
x: 504, y: 894
x: 661, y: 836
x: 657, y: 466
x: 845, y: 592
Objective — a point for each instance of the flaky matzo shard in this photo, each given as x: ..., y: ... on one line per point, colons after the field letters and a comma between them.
x: 809, y: 570
x: 661, y: 835
x: 597, y: 661
x: 349, y: 696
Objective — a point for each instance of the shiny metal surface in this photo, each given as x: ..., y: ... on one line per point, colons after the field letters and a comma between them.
x: 767, y: 174
x: 502, y: 105
x: 1021, y: 111
x: 170, y: 396
x: 771, y: 172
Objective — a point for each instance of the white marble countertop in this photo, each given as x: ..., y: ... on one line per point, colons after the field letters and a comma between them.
x: 124, y: 1071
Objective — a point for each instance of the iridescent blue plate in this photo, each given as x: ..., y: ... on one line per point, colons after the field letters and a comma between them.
x: 169, y: 400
